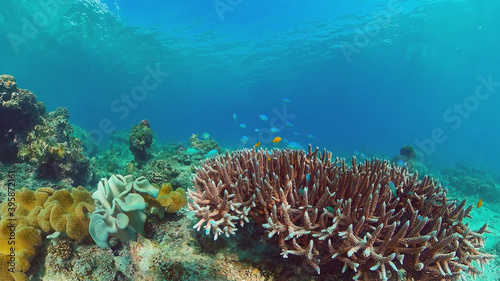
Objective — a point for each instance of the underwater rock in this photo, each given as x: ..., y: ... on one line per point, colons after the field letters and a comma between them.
x: 55, y: 151
x: 203, y: 146
x: 406, y: 157
x: 140, y: 139
x: 473, y: 180
x: 20, y: 111
x: 408, y: 151
x: 8, y: 84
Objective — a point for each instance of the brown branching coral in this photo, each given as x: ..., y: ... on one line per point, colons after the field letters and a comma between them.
x: 373, y: 220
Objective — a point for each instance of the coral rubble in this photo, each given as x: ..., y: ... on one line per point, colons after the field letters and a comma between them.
x: 374, y: 221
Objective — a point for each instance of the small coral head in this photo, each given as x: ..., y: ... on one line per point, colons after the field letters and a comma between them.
x: 145, y: 122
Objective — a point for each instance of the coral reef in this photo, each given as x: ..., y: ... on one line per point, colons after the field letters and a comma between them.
x: 474, y: 180
x: 8, y: 84
x: 116, y: 159
x: 372, y: 221
x: 168, y: 200
x: 406, y: 157
x: 408, y: 151
x: 140, y: 139
x: 57, y: 154
x: 120, y: 210
x: 20, y: 112
x: 160, y: 170
x: 203, y: 146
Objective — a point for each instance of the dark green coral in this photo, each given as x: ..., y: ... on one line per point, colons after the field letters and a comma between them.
x: 141, y: 138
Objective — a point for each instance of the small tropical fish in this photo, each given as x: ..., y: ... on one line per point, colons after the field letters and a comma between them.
x: 400, y: 163
x: 296, y: 133
x: 205, y: 135
x: 393, y: 188
x: 256, y: 130
x: 480, y: 203
x: 211, y: 153
x: 294, y: 145
x: 244, y: 139
x: 235, y: 118
x: 276, y: 139
x: 288, y: 125
x: 243, y: 126
x: 263, y: 117
x: 257, y: 144
x: 310, y: 136
x: 287, y: 100
x: 308, y: 177
x: 274, y: 130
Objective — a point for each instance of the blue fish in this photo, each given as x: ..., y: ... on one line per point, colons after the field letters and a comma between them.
x: 274, y: 130
x: 243, y: 126
x: 263, y: 117
x: 288, y: 125
x: 287, y: 100
x: 235, y: 118
x: 308, y: 177
x: 211, y: 153
x: 244, y: 139
x: 400, y: 163
x: 310, y: 136
x: 393, y: 188
x: 294, y: 145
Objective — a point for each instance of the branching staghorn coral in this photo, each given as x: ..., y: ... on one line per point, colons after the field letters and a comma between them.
x: 374, y: 220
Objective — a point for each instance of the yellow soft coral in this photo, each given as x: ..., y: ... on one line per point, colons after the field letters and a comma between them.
x: 45, y: 209
x: 168, y: 200
x: 17, y: 247
x: 67, y: 212
x: 60, y: 210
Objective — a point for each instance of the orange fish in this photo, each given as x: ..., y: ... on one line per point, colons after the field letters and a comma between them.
x: 276, y: 139
x: 480, y: 203
x: 257, y: 144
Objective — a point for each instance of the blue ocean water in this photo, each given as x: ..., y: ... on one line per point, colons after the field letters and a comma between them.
x: 370, y: 76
